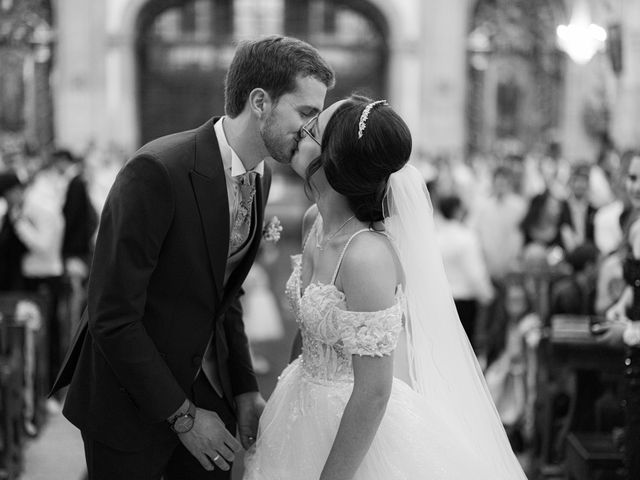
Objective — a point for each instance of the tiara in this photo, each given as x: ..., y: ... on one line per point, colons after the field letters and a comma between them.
x: 365, y: 115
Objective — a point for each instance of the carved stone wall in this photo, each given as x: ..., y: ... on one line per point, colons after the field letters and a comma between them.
x: 515, y: 75
x: 183, y: 50
x: 25, y: 60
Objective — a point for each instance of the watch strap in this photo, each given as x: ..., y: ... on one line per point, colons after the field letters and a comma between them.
x: 191, y: 412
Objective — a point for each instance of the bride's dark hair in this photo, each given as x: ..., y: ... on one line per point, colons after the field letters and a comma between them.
x: 359, y: 168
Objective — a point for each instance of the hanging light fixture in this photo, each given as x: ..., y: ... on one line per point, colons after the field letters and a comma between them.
x: 581, y: 39
x: 479, y: 46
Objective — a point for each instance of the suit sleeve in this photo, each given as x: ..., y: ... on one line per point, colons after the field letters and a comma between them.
x: 242, y: 376
x: 135, y: 220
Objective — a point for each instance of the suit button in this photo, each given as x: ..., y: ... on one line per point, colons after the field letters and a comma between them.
x: 196, y: 360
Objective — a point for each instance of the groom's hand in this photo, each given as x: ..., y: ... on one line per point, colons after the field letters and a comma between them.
x: 210, y: 442
x: 249, y: 407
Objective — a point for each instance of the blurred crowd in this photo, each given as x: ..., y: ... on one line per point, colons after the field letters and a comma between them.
x: 49, y: 206
x: 526, y: 237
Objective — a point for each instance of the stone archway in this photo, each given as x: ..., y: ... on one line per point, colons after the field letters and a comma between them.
x: 122, y: 116
x: 398, y: 23
x: 183, y: 48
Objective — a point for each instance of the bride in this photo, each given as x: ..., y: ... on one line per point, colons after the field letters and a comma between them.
x: 387, y: 386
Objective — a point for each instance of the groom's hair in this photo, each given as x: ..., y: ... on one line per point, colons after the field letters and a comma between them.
x: 272, y: 63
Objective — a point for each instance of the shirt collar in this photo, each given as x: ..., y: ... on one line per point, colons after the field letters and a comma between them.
x: 230, y: 160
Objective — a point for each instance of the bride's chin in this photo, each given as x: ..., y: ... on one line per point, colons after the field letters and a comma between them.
x: 298, y: 166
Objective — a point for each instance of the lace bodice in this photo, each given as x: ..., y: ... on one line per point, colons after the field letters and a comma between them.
x: 331, y: 334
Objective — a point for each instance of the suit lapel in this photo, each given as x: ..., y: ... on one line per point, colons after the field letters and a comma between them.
x: 210, y: 189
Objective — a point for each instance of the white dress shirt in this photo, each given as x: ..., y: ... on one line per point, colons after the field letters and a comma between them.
x: 40, y: 225
x: 607, y: 231
x: 233, y: 167
x: 496, y: 221
x: 463, y: 262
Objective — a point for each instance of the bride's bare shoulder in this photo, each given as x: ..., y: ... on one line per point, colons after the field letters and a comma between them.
x: 369, y: 275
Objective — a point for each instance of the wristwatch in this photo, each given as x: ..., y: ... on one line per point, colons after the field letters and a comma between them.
x: 183, y: 422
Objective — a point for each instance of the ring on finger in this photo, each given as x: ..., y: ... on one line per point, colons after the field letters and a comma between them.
x: 216, y: 458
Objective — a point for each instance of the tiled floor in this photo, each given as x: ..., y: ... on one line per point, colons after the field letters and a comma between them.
x: 56, y: 454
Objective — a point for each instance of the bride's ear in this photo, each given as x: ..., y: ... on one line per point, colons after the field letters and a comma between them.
x: 260, y: 102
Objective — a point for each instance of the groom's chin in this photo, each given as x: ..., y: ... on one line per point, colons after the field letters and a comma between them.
x: 284, y: 159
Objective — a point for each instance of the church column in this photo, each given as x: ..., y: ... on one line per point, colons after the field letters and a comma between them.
x: 625, y: 123
x: 443, y: 75
x: 78, y: 76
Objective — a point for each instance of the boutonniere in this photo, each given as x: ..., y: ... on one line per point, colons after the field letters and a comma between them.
x: 272, y: 230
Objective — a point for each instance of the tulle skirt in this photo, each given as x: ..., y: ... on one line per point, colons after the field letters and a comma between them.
x: 301, y: 419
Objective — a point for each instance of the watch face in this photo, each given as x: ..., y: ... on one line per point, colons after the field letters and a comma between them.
x: 183, y: 424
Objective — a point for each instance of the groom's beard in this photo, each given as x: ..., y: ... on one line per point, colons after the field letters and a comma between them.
x: 279, y: 146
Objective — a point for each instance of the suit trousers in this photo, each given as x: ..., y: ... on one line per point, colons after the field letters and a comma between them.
x: 166, y: 458
x: 51, y: 287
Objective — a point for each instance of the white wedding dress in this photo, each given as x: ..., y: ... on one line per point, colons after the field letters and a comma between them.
x: 301, y: 419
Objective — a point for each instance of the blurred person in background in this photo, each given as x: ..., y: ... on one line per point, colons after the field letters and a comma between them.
x: 576, y: 293
x: 80, y: 224
x: 81, y: 219
x: 622, y: 328
x: 40, y: 226
x: 609, y: 219
x: 609, y: 223
x: 12, y: 248
x: 512, y: 361
x: 463, y: 263
x: 547, y: 222
x: 582, y: 211
x: 496, y: 221
x: 102, y: 167
x: 604, y: 173
x: 516, y: 164
x: 610, y: 282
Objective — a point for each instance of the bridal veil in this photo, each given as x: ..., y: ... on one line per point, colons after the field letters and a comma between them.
x: 442, y: 365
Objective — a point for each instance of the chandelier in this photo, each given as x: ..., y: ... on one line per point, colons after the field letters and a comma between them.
x: 581, y: 39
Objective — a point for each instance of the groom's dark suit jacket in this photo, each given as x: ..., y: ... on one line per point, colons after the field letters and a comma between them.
x: 156, y: 294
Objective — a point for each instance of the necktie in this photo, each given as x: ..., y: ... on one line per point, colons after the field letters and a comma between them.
x: 242, y: 221
x: 239, y: 235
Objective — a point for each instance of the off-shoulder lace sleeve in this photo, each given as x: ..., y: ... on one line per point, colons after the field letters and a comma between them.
x: 370, y: 333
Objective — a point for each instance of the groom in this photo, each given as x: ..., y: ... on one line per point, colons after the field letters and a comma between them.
x: 160, y: 372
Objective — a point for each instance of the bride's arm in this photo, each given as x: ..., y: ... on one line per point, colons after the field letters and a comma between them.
x: 361, y: 418
x: 369, y: 285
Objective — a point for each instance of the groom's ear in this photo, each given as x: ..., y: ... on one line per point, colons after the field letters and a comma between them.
x: 259, y: 101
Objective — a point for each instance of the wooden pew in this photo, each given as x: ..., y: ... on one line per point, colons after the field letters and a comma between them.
x: 569, y: 347
x: 11, y: 403
x: 24, y: 314
x: 23, y: 383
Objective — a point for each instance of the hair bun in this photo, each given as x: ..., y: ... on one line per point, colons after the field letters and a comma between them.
x: 359, y: 168
x: 369, y: 206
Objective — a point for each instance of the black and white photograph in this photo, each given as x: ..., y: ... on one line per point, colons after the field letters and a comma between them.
x: 320, y: 240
